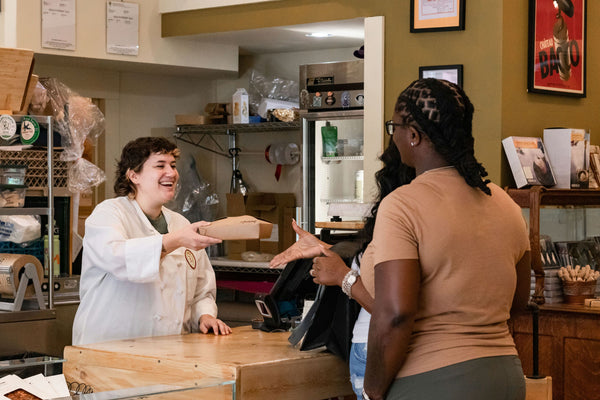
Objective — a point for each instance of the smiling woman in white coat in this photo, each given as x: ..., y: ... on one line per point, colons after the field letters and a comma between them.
x: 144, y: 268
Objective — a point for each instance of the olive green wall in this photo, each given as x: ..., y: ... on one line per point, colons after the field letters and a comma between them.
x: 492, y: 49
x: 527, y: 114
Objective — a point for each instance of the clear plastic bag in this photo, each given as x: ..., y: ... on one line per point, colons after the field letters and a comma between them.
x: 263, y: 87
x: 76, y: 119
x: 194, y: 198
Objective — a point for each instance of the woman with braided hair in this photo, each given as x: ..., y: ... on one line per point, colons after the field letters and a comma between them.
x: 450, y: 262
x: 329, y: 268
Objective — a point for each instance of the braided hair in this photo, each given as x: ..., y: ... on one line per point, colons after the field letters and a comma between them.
x: 442, y: 111
x: 392, y: 175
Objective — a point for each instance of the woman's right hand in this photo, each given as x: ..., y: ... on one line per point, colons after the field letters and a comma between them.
x: 188, y: 237
x: 307, y: 246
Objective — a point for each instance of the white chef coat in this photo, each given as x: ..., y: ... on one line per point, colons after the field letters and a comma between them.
x: 126, y: 290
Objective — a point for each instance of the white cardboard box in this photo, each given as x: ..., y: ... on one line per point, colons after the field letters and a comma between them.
x: 569, y: 153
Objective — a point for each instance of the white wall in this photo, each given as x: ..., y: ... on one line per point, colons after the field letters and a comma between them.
x: 137, y: 104
x: 21, y: 26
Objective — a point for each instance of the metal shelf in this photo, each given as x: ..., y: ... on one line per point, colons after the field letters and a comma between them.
x: 327, y: 160
x: 196, y: 134
x: 228, y: 129
x: 49, y: 211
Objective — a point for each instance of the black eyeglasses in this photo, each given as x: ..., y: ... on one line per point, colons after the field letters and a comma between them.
x: 390, y: 126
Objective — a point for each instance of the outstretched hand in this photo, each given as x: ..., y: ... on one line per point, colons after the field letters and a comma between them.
x: 188, y: 237
x: 307, y: 246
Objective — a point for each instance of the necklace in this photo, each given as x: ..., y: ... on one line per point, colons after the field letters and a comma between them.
x: 437, y: 169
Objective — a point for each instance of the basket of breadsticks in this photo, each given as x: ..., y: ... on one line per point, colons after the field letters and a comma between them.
x: 579, y: 283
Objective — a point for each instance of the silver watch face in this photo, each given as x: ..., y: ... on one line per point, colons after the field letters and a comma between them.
x: 352, y: 279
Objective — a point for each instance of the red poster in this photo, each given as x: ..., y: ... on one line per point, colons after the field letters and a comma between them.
x: 557, y: 47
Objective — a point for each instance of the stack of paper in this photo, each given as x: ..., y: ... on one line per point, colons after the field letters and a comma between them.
x: 35, y: 387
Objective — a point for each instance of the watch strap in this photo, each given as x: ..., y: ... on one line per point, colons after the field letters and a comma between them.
x: 347, y: 282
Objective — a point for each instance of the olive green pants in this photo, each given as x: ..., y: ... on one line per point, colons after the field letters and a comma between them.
x: 488, y: 378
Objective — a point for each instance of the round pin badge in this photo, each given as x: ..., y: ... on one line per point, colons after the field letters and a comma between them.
x: 8, y: 127
x: 190, y: 258
x: 30, y: 130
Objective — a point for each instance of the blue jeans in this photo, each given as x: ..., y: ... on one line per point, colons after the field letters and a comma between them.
x: 358, y: 364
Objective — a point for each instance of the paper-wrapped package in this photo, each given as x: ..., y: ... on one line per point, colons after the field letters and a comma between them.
x: 243, y: 227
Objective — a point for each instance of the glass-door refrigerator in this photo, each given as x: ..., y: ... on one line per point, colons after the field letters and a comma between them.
x: 332, y: 102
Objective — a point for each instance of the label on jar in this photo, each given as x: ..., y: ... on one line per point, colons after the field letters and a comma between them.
x: 30, y: 130
x: 8, y: 127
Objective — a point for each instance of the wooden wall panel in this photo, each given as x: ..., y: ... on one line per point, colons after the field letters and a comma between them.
x: 569, y: 350
x: 582, y: 369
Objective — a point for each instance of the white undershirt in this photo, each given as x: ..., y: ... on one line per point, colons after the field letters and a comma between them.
x: 360, y: 333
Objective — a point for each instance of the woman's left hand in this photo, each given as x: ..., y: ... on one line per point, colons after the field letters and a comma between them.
x: 207, y: 323
x: 329, y: 269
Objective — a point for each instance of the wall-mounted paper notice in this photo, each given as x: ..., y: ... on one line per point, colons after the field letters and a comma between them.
x: 58, y: 24
x: 122, y: 28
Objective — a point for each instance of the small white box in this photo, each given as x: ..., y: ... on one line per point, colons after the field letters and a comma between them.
x: 240, y: 106
x: 569, y: 153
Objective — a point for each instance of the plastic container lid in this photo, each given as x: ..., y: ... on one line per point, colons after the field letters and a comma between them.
x: 13, y: 166
x: 9, y: 186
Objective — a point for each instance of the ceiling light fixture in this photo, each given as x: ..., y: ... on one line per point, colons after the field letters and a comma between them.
x: 319, y: 34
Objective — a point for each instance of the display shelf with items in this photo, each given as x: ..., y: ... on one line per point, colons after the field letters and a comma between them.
x: 41, y: 162
x: 568, y: 333
x: 577, y: 208
x: 198, y: 134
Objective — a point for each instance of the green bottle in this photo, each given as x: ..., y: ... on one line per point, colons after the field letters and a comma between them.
x: 330, y: 136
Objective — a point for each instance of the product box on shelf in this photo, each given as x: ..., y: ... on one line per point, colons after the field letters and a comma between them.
x: 528, y: 161
x: 240, y: 106
x: 276, y: 208
x: 569, y: 153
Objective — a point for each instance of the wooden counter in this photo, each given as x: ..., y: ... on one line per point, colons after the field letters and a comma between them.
x: 569, y: 349
x: 264, y: 365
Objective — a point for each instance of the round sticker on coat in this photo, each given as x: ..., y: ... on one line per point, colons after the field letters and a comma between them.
x: 190, y: 258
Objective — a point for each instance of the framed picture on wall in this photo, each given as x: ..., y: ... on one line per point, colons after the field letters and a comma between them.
x: 451, y: 73
x: 437, y: 15
x: 557, y: 47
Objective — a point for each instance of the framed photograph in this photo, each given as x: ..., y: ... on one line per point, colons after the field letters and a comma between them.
x: 437, y: 15
x: 557, y: 57
x: 451, y: 73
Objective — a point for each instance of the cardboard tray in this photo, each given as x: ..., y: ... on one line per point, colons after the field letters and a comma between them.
x: 243, y: 227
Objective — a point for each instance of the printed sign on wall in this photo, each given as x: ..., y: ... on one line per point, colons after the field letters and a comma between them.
x: 557, y: 55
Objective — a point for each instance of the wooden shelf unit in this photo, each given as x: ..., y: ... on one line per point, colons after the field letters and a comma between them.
x: 536, y: 197
x: 569, y: 335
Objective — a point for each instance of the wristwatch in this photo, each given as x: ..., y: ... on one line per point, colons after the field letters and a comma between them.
x: 348, y: 281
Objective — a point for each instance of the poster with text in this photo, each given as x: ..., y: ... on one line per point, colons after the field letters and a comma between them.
x: 557, y: 47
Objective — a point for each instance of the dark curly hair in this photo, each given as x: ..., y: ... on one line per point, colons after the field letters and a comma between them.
x: 442, y: 111
x: 392, y: 175
x: 133, y: 157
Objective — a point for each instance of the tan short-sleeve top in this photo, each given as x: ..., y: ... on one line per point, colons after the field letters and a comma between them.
x: 468, y: 244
